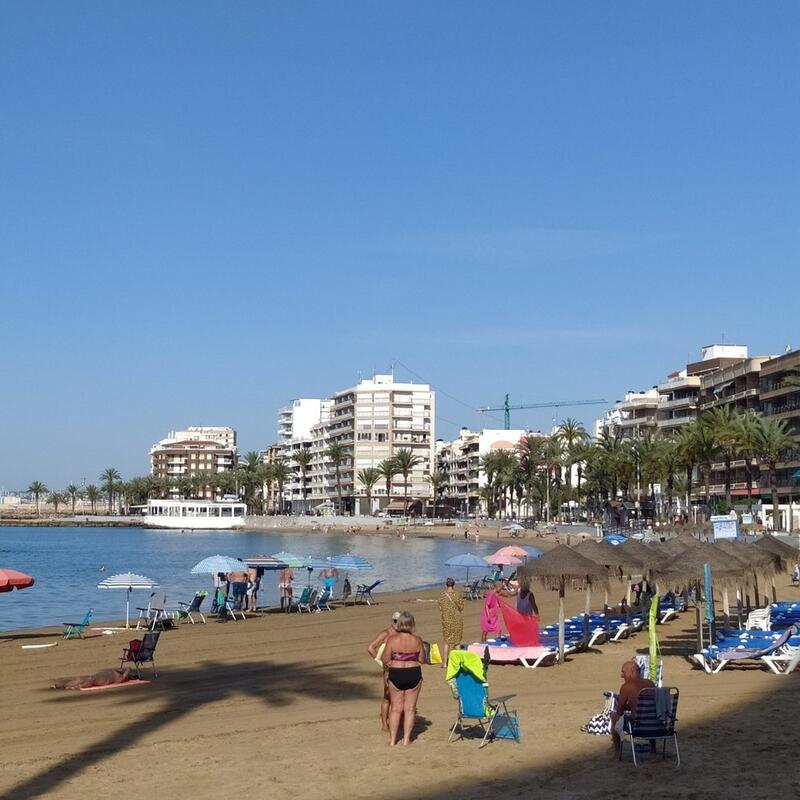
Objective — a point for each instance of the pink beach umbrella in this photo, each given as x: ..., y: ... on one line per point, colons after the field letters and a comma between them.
x: 502, y: 560
x: 10, y: 579
x: 513, y: 550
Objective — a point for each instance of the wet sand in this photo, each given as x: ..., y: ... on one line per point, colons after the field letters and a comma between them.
x: 288, y: 704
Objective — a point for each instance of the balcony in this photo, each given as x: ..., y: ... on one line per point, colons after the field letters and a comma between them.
x: 674, y: 422
x: 678, y: 402
x: 776, y: 409
x: 637, y: 422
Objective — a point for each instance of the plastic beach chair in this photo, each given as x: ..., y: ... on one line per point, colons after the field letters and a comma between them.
x: 654, y: 721
x: 311, y: 602
x: 77, y: 628
x: 364, y: 593
x: 714, y: 662
x: 784, y: 663
x: 323, y: 602
x: 298, y: 603
x: 187, y: 609
x: 476, y: 710
x: 140, y: 651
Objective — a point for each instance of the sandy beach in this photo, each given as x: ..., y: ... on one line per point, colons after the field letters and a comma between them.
x: 290, y: 702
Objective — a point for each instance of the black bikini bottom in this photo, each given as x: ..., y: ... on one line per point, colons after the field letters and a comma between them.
x: 405, y: 678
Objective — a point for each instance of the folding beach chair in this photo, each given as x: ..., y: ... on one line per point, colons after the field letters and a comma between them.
x: 476, y: 710
x: 140, y: 651
x: 323, y: 601
x: 77, y: 628
x: 364, y: 593
x: 310, y: 604
x: 187, y: 609
x: 471, y: 590
x: 654, y: 721
x: 297, y: 603
x: 154, y: 615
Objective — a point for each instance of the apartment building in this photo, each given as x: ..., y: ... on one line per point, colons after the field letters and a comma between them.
x: 780, y: 399
x: 631, y: 416
x: 371, y: 421
x: 194, y: 451
x: 459, y: 461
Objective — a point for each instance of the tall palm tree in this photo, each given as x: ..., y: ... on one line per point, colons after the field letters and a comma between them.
x: 686, y: 450
x: 387, y: 469
x: 747, y: 445
x: 266, y: 477
x: 108, y: 479
x: 92, y: 495
x: 338, y: 454
x: 706, y: 450
x: 490, y: 464
x: 530, y: 450
x: 571, y: 434
x: 772, y: 442
x: 669, y: 464
x: 368, y: 477
x: 436, y: 481
x: 406, y: 461
x: 724, y: 426
x: 74, y: 493
x: 281, y: 472
x: 303, y: 460
x: 37, y: 488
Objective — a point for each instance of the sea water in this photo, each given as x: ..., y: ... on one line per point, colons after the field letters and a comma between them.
x: 68, y: 563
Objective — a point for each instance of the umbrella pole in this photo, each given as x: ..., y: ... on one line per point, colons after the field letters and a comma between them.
x: 587, y: 609
x: 739, y: 606
x: 774, y: 591
x: 128, y: 610
x: 755, y: 587
x: 561, y: 619
x: 698, y: 618
x: 726, y: 609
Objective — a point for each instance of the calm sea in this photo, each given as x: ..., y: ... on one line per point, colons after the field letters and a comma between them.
x: 66, y: 565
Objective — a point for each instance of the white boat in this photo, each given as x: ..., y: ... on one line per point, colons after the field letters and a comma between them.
x: 195, y: 514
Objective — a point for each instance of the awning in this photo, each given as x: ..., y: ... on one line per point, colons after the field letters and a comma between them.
x: 397, y: 505
x: 720, y: 389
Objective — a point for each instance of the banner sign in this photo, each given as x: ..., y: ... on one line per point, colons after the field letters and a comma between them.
x: 725, y: 527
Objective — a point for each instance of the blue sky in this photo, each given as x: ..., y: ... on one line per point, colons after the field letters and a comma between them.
x: 208, y: 209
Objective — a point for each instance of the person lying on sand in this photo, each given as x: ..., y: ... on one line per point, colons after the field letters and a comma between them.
x: 104, y: 677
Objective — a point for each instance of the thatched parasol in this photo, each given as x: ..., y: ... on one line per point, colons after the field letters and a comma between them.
x: 553, y: 569
x: 610, y: 556
x: 774, y: 545
x: 677, y: 544
x: 649, y: 555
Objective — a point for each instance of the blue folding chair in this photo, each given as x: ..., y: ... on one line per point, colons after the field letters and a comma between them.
x: 479, y: 711
x: 77, y: 628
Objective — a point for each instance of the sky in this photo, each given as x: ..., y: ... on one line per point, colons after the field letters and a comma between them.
x: 208, y: 209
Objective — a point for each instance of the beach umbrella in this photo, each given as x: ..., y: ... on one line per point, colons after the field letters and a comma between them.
x: 467, y: 561
x: 215, y: 564
x: 515, y: 527
x: 613, y: 557
x: 292, y: 560
x: 774, y: 545
x: 554, y: 568
x: 615, y: 538
x: 515, y: 551
x: 128, y: 581
x: 265, y: 562
x: 349, y: 563
x: 10, y: 579
x: 502, y: 560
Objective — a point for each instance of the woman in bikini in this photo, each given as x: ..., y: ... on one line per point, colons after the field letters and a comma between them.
x: 403, y: 655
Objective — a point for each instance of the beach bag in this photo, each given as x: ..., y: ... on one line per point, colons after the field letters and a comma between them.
x: 432, y: 653
x: 600, y: 724
x: 379, y: 655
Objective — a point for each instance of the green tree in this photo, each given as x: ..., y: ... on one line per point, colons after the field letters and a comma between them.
x: 773, y: 441
x: 74, y: 493
x: 37, y: 489
x: 436, y: 481
x: 406, y: 461
x: 747, y: 425
x: 387, y: 469
x: 686, y: 450
x: 368, y: 477
x: 281, y: 472
x: 723, y: 424
x: 92, y: 495
x: 56, y: 499
x: 337, y: 454
x: 108, y: 479
x: 303, y: 459
x: 572, y: 435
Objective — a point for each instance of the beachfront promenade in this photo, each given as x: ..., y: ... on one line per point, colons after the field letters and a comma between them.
x: 288, y: 704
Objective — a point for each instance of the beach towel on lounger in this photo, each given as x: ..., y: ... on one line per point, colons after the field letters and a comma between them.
x: 523, y: 631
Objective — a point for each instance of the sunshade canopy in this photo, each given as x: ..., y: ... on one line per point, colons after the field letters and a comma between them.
x: 502, y: 560
x: 10, y: 579
x: 563, y: 562
x: 214, y: 564
x: 349, y: 562
x: 513, y: 550
x: 467, y: 560
x: 608, y: 556
x: 265, y: 562
x: 127, y: 580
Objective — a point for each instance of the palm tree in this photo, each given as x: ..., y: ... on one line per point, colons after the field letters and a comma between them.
x: 92, y: 495
x: 387, y: 469
x: 406, y: 461
x: 686, y: 449
x: 436, y: 481
x: 724, y: 425
x: 747, y: 438
x: 669, y: 463
x: 571, y: 434
x: 337, y: 453
x: 530, y: 450
x: 491, y: 465
x: 303, y: 460
x: 368, y: 477
x: 108, y: 478
x: 55, y: 499
x: 37, y: 488
x: 772, y: 442
x: 281, y: 472
x: 74, y: 493
x: 266, y: 476
x: 706, y: 450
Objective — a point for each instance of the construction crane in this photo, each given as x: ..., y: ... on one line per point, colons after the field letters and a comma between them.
x: 506, y: 408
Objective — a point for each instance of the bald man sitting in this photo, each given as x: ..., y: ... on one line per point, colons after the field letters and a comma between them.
x: 628, y: 694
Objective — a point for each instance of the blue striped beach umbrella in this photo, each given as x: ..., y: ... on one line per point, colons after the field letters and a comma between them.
x: 349, y: 563
x: 265, y: 562
x: 129, y: 581
x: 214, y: 564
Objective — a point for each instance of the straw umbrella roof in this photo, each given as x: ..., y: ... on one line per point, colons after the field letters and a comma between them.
x: 648, y: 555
x: 678, y: 544
x: 689, y: 564
x: 608, y: 555
x: 564, y: 562
x: 752, y: 557
x: 774, y: 545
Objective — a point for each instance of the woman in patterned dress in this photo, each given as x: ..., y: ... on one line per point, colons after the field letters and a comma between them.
x: 451, y: 607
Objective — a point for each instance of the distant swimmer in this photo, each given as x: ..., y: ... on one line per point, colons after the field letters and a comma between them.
x: 102, y: 568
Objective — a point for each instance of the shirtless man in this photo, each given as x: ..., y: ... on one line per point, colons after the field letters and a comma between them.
x: 104, y: 677
x: 373, y: 648
x: 628, y: 694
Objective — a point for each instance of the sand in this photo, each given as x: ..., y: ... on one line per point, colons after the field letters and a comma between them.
x: 288, y: 704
